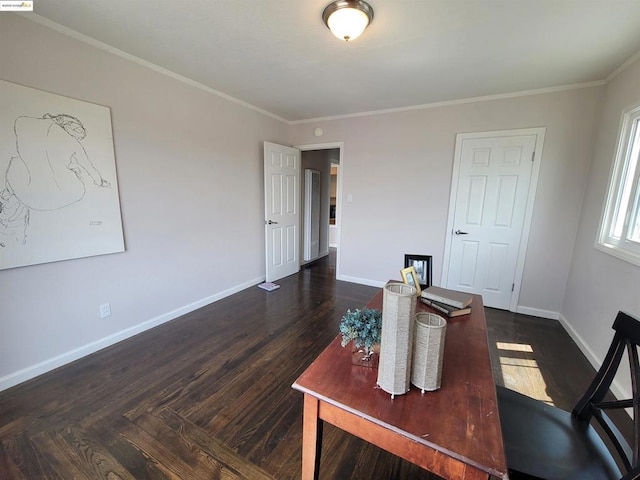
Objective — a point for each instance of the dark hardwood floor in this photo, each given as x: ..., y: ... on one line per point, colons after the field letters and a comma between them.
x: 208, y: 395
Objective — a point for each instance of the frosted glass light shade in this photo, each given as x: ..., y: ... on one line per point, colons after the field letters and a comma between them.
x: 348, y: 23
x: 347, y: 19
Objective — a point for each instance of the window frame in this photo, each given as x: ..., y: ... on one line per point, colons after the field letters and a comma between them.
x: 623, y: 247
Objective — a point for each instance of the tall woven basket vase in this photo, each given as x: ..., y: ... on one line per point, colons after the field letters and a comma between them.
x: 428, y: 351
x: 398, y: 316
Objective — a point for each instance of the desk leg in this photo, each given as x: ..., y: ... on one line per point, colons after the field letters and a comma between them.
x: 311, y: 438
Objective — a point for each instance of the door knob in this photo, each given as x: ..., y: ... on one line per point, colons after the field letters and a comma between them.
x: 271, y: 222
x: 460, y: 232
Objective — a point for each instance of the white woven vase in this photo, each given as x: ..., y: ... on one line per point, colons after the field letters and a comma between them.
x: 428, y: 351
x: 398, y: 315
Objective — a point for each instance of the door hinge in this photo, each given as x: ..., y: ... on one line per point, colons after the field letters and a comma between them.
x: 513, y: 286
x: 533, y: 154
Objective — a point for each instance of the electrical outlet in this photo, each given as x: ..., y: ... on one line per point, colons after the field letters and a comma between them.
x: 105, y: 310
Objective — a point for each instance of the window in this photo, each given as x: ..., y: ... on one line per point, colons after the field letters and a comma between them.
x: 620, y: 229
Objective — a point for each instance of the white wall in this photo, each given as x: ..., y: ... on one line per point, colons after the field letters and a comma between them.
x: 398, y: 168
x: 600, y: 285
x: 190, y: 173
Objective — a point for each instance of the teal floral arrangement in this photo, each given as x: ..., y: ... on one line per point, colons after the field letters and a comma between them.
x: 363, y: 327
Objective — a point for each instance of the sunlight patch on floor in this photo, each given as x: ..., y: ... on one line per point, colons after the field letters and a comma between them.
x: 514, y: 347
x: 521, y: 372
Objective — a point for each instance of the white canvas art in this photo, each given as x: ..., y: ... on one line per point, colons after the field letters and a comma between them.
x: 58, y: 185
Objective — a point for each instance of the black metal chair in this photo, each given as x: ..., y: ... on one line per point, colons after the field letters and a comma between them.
x: 548, y: 443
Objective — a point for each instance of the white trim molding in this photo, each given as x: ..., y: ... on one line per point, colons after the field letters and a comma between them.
x: 34, y: 17
x: 617, y: 234
x: 595, y: 361
x: 115, y: 51
x: 361, y: 281
x: 33, y: 371
x: 537, y: 312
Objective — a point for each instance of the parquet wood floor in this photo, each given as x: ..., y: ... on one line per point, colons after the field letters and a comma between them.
x: 208, y: 395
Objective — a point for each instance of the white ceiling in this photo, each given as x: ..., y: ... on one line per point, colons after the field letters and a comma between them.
x: 278, y: 56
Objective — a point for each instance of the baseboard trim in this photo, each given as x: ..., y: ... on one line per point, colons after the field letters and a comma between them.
x: 361, y: 281
x: 537, y: 312
x: 595, y: 361
x: 28, y: 373
x: 616, y: 388
x: 307, y: 262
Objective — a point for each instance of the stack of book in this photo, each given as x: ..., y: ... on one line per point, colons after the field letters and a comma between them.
x: 449, y: 302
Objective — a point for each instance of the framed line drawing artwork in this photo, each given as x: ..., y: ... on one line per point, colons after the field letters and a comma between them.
x: 410, y: 277
x: 422, y: 265
x: 58, y: 185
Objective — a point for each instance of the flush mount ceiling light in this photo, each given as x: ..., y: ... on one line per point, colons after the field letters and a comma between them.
x: 347, y: 19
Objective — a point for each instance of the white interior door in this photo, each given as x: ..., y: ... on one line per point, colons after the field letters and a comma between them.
x: 282, y: 210
x: 492, y: 198
x: 311, y: 234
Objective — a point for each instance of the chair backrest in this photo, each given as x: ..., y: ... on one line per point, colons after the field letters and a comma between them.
x: 592, y: 403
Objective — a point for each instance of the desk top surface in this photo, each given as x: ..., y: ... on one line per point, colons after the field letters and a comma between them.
x: 460, y: 419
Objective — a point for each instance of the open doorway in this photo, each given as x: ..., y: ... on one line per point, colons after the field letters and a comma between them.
x: 324, y: 159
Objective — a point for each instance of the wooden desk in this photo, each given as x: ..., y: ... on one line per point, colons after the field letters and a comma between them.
x: 453, y: 432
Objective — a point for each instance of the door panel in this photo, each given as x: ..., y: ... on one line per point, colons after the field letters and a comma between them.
x: 475, y: 200
x: 507, y: 196
x: 468, y: 263
x: 498, y: 255
x: 276, y: 251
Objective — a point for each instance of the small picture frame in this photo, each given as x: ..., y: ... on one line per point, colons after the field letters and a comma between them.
x: 422, y: 265
x: 410, y: 277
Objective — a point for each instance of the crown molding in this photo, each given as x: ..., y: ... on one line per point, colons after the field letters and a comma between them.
x: 115, y: 51
x: 127, y: 56
x: 461, y: 101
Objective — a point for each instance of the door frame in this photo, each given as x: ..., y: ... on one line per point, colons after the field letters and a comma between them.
x: 331, y: 146
x: 526, y: 228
